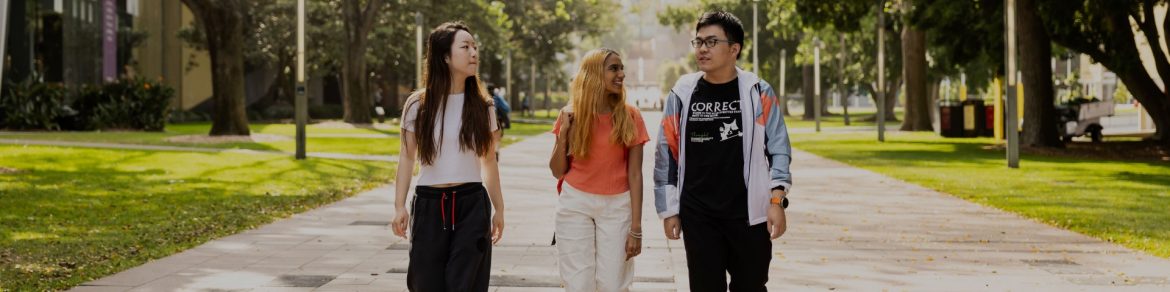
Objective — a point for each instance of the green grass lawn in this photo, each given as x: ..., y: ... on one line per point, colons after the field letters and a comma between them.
x: 1122, y: 202
x: 319, y: 138
x: 317, y: 141
x: 538, y: 114
x: 69, y: 215
x: 838, y: 118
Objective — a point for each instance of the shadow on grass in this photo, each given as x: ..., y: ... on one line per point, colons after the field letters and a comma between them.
x: 89, y: 218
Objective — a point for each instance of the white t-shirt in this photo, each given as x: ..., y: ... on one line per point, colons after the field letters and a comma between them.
x: 452, y: 164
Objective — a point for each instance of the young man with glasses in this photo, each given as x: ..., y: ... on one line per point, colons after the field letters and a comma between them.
x: 721, y: 164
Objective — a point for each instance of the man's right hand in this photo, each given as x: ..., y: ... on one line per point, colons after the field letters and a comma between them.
x: 672, y: 227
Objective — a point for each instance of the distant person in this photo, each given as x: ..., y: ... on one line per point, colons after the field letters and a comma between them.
x: 525, y: 104
x: 503, y: 109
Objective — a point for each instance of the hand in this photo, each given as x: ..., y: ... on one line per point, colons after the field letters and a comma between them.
x: 671, y: 226
x: 497, y: 227
x: 401, y: 219
x: 777, y: 223
x: 633, y: 246
x: 566, y: 124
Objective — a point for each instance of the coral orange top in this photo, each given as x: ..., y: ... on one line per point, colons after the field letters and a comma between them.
x: 604, y: 172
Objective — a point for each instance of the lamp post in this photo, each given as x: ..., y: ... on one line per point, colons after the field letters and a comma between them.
x: 841, y: 89
x: 881, y: 60
x: 418, y: 50
x: 1013, y: 133
x: 783, y: 87
x: 817, y: 82
x: 301, y: 102
x: 755, y: 38
x: 3, y: 35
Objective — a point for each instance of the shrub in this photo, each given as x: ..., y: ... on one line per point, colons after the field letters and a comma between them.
x: 30, y: 105
x: 326, y: 112
x: 135, y: 104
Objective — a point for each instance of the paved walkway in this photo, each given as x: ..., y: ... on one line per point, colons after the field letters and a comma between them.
x: 849, y: 229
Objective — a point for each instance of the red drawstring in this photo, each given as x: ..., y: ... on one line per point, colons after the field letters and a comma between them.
x: 443, y: 210
x: 453, y: 209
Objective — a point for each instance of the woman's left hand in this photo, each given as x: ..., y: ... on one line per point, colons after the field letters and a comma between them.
x: 633, y: 246
x: 497, y: 230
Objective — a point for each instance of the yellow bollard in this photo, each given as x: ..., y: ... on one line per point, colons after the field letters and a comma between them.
x: 998, y: 110
x: 1020, y: 104
x: 963, y: 88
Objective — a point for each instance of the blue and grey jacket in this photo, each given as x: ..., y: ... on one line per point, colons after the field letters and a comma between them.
x: 767, y: 152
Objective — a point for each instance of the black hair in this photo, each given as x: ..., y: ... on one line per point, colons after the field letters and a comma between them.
x: 474, y: 133
x: 728, y: 22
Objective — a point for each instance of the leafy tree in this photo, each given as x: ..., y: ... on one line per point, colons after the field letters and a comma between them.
x: 1104, y: 30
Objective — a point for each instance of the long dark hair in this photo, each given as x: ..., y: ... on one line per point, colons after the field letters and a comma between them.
x: 475, y: 133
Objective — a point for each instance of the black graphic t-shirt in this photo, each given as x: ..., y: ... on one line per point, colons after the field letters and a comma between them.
x: 713, y: 183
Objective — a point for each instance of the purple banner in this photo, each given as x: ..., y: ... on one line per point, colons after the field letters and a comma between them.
x: 109, y: 40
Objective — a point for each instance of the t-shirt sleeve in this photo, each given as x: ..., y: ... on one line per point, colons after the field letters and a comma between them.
x: 410, y: 112
x: 639, y: 124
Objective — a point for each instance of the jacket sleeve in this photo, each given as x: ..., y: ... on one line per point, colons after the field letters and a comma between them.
x: 502, y: 104
x: 666, y: 154
x: 776, y: 138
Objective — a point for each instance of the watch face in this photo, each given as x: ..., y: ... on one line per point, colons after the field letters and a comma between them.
x: 784, y: 203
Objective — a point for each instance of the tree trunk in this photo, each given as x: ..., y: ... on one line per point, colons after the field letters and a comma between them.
x: 390, y: 98
x: 892, y: 90
x: 354, y: 88
x: 784, y: 105
x: 891, y: 96
x: 1161, y: 117
x: 282, y: 86
x: 495, y: 69
x: 933, y: 93
x: 917, y: 115
x: 531, y: 97
x: 1152, y: 98
x: 807, y: 90
x: 825, y: 93
x: 781, y: 98
x: 223, y: 24
x: 359, y: 21
x: 1040, y: 116
x: 547, y: 97
x: 270, y: 95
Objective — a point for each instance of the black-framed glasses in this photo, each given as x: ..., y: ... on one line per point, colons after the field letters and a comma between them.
x: 709, y: 43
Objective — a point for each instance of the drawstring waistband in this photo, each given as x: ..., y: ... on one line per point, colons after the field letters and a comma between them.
x: 443, y: 210
x: 448, y: 193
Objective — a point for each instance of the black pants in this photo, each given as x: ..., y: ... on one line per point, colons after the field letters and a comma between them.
x: 450, y: 245
x: 717, y: 247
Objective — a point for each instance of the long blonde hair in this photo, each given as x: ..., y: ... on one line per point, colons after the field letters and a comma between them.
x: 587, y: 92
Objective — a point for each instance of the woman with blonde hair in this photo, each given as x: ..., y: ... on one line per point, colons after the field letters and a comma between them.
x: 598, y: 157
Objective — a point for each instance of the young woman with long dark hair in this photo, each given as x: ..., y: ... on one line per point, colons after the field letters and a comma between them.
x: 449, y: 126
